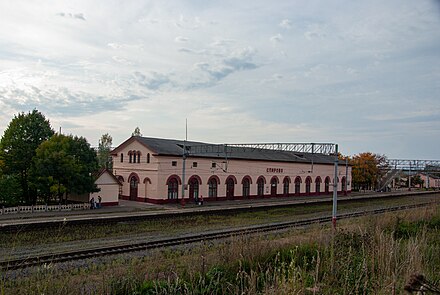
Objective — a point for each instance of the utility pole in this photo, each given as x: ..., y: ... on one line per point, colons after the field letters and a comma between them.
x: 335, y: 189
x: 346, y: 176
x: 182, y: 201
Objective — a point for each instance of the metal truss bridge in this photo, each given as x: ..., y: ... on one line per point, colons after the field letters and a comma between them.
x: 313, y: 148
x: 414, y: 165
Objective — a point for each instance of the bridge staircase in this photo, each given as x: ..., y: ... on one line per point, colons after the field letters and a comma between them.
x: 388, y: 178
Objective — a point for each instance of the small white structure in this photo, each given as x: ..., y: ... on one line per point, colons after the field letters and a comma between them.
x: 109, y: 186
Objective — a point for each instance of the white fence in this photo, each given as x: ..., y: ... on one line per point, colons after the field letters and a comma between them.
x: 43, y: 208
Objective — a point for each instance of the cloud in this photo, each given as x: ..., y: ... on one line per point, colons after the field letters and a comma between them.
x: 114, y: 45
x: 315, y: 31
x: 79, y: 16
x: 277, y: 38
x: 122, y: 60
x: 153, y: 81
x: 285, y: 24
x: 238, y: 61
x: 181, y: 39
x: 61, y: 100
x: 189, y: 23
x: 222, y: 42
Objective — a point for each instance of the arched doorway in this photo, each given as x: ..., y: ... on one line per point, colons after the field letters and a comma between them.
x: 260, y: 186
x: 297, y: 185
x: 134, y: 183
x: 286, y: 183
x: 273, y: 186
x: 194, y: 188
x: 327, y: 185
x: 318, y: 185
x: 308, y: 184
x: 246, y: 182
x: 230, y: 185
x: 173, y: 186
x: 212, y: 186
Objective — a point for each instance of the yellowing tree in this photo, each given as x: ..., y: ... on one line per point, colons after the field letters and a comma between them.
x: 367, y: 170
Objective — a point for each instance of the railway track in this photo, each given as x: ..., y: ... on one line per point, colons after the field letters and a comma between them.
x: 133, y: 247
x: 21, y: 225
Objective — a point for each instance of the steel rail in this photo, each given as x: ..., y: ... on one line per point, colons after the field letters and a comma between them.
x: 22, y: 225
x: 25, y: 262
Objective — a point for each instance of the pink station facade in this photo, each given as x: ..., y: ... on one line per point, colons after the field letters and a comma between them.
x: 150, y: 170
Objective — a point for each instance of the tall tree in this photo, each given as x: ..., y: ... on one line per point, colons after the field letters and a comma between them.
x: 136, y: 132
x: 104, y: 148
x: 65, y: 164
x: 17, y: 147
x: 367, y: 170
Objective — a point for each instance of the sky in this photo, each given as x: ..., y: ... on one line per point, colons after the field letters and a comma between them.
x: 362, y: 74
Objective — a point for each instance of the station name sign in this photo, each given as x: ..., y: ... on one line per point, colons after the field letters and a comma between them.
x: 274, y: 170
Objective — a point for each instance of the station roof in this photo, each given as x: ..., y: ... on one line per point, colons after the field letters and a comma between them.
x: 173, y: 147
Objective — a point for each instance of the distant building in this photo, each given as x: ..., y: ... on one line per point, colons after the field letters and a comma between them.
x: 430, y: 181
x: 150, y: 170
x: 109, y: 190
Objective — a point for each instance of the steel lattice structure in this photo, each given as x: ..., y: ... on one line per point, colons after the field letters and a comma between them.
x: 314, y: 148
x: 414, y: 165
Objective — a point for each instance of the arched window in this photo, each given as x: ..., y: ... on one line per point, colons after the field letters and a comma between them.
x: 308, y: 184
x: 130, y: 157
x: 298, y: 185
x: 194, y: 187
x: 318, y: 185
x: 230, y: 186
x: 139, y: 156
x: 246, y: 186
x: 148, y: 158
x: 173, y: 188
x: 122, y: 157
x: 260, y: 186
x: 212, y: 187
x: 327, y: 185
x: 273, y: 186
x: 286, y: 183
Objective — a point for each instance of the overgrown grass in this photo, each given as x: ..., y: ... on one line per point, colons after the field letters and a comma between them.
x: 372, y: 255
x: 163, y: 227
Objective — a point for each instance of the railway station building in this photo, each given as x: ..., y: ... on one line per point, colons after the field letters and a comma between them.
x: 151, y: 170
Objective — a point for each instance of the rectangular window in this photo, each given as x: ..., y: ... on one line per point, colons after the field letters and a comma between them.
x: 213, y: 165
x: 174, y: 163
x: 194, y: 164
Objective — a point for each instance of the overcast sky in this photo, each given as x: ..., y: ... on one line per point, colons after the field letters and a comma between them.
x: 363, y: 74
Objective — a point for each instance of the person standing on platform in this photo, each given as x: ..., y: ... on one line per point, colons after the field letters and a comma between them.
x: 92, y: 203
x: 99, y: 201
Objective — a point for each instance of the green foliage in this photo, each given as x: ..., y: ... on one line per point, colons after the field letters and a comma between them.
x: 416, y: 180
x: 65, y: 164
x: 10, y: 192
x: 104, y: 148
x: 17, y: 147
x: 405, y: 229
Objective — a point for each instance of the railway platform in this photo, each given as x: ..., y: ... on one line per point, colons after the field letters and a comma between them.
x: 134, y: 210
